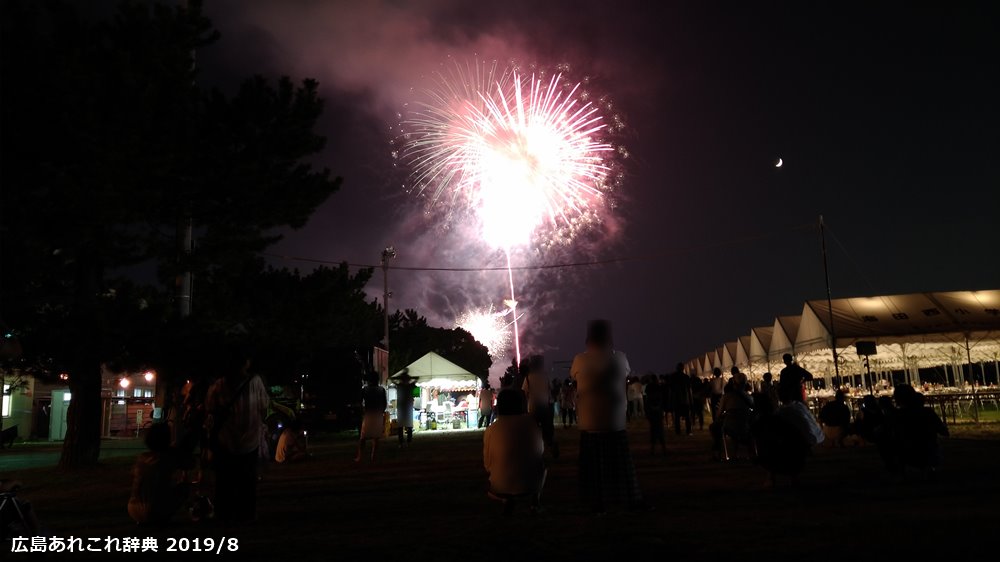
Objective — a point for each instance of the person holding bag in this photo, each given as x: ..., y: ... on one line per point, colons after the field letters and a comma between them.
x: 373, y: 423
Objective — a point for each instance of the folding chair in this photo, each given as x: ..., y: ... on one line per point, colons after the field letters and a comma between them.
x: 736, y: 425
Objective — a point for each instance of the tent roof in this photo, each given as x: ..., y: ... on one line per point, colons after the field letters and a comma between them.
x: 728, y: 354
x: 918, y: 329
x: 743, y: 351
x: 783, y: 336
x: 760, y: 342
x: 706, y: 364
x: 902, y: 315
x: 434, y: 367
x: 911, y: 330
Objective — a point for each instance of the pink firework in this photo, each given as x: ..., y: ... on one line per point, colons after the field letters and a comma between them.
x: 489, y: 327
x: 515, y: 151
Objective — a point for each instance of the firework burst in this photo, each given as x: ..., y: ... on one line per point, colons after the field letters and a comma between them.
x: 514, y: 151
x: 511, y: 152
x: 489, y: 327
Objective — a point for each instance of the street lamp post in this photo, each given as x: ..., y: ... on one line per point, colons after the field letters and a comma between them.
x: 387, y: 254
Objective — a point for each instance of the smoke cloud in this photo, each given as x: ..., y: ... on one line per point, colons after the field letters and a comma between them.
x: 376, y: 56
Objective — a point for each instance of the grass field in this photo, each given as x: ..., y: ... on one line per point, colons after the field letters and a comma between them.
x: 428, y: 502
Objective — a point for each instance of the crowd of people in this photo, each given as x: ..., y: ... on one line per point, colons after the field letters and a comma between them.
x: 768, y: 423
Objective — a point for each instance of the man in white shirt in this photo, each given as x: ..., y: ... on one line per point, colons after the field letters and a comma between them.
x: 486, y: 405
x: 607, y: 473
x: 716, y: 388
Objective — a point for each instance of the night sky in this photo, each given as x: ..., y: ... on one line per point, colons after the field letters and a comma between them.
x: 886, y: 119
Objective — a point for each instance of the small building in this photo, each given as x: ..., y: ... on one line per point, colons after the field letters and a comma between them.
x: 37, y: 408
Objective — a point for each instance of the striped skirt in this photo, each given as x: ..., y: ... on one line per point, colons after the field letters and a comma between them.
x: 607, y: 473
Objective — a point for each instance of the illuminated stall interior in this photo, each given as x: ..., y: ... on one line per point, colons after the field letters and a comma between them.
x: 445, y: 396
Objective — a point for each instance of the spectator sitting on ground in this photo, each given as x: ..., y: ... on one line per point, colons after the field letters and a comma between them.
x: 291, y: 444
x: 915, y: 431
x: 868, y: 422
x: 836, y: 419
x: 512, y: 453
x: 158, y: 487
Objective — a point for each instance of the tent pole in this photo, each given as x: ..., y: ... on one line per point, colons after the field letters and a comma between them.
x: 829, y: 303
x: 972, y: 375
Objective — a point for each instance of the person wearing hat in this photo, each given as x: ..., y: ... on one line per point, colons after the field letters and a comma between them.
x: 405, y: 384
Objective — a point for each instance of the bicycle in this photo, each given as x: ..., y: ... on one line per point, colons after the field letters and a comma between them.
x: 15, y: 516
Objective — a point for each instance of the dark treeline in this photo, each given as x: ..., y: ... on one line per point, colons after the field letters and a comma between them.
x: 110, y: 149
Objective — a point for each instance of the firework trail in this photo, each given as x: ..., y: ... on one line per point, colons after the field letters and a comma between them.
x: 519, y: 155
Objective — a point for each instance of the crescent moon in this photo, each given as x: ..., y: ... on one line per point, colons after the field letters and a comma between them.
x: 780, y: 162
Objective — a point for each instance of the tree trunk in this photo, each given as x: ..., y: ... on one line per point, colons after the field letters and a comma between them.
x: 82, y: 446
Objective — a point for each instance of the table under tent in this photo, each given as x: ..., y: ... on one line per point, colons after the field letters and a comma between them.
x: 445, y: 395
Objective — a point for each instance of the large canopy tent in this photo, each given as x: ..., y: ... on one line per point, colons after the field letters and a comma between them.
x: 743, y: 354
x: 760, y: 342
x: 717, y: 358
x: 728, y: 355
x: 706, y: 365
x: 915, y: 331
x: 783, y: 338
x: 912, y: 331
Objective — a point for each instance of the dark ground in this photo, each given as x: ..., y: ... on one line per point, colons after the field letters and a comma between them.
x: 428, y: 502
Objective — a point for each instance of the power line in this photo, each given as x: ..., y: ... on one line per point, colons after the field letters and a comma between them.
x: 592, y: 263
x: 854, y: 262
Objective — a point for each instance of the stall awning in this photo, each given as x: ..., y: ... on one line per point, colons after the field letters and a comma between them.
x: 434, y: 370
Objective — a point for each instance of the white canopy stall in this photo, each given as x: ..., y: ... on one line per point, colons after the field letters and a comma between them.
x: 448, y: 393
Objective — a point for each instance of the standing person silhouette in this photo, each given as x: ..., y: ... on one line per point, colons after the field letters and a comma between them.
x: 404, y: 405
x: 236, y: 404
x: 607, y: 472
x: 486, y: 397
x: 653, y: 406
x: 539, y: 399
x: 373, y: 423
x: 716, y: 387
x: 792, y: 380
x: 680, y: 398
x: 567, y: 403
x: 698, y: 400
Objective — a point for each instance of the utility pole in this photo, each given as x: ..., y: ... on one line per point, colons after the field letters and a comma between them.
x: 829, y: 304
x: 387, y: 254
x: 185, y: 231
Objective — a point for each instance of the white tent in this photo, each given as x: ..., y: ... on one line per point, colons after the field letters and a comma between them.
x: 728, y: 355
x: 760, y: 342
x: 783, y: 337
x: 706, y: 365
x: 717, y: 357
x: 743, y: 354
x: 910, y: 331
x: 436, y: 371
